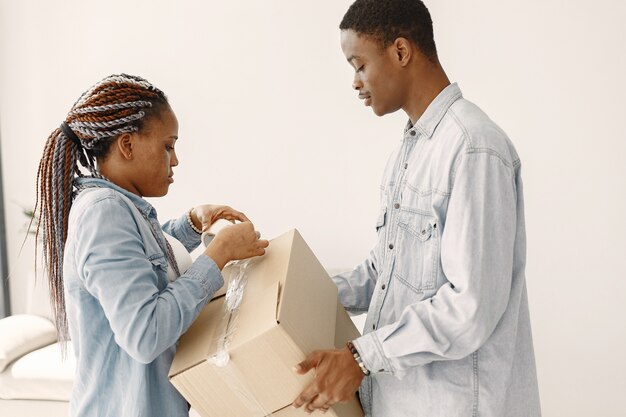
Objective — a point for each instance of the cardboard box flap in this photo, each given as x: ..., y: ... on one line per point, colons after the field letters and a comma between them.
x: 265, y: 276
x: 255, y: 318
x: 308, y: 302
x: 213, y: 322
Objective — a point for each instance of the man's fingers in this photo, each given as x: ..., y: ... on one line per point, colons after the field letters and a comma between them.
x: 305, y: 396
x: 318, y: 402
x: 307, y: 364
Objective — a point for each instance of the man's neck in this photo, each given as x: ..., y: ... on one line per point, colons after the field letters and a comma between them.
x: 426, y: 86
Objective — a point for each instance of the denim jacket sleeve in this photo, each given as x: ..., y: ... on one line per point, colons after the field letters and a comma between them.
x: 477, y: 247
x: 114, y: 268
x: 355, y: 288
x: 180, y: 229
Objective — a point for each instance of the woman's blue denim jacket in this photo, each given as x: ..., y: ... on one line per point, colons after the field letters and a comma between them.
x: 124, y: 316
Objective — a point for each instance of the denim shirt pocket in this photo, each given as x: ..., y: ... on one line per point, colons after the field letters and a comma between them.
x: 418, y: 247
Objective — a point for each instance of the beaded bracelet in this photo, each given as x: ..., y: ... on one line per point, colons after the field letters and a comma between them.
x: 357, y: 358
x: 193, y: 226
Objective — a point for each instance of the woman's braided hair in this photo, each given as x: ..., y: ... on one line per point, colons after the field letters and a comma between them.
x: 117, y: 104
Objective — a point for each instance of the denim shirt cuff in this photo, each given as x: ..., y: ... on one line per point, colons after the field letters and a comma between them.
x: 372, y: 354
x: 187, y: 236
x: 205, y: 270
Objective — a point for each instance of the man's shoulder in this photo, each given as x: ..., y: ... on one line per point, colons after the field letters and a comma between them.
x: 478, y: 132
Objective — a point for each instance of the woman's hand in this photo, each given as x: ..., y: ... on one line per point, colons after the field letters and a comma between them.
x: 239, y: 241
x: 205, y: 215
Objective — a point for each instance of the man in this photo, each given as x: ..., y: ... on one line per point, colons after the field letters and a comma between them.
x: 448, y: 329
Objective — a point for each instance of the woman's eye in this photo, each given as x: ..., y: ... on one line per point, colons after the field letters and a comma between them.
x: 359, y: 69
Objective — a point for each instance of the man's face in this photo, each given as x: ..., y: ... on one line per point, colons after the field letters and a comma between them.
x: 377, y: 72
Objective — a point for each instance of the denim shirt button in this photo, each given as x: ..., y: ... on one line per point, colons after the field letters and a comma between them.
x: 397, y: 205
x: 412, y: 132
x: 374, y: 326
x: 406, y: 166
x: 391, y: 246
x: 383, y: 287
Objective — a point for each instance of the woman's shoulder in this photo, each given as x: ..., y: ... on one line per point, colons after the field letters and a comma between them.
x: 96, y: 199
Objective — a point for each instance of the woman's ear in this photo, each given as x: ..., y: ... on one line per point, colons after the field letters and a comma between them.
x: 125, y: 145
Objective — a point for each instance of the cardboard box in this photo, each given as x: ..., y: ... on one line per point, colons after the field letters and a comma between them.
x: 289, y: 308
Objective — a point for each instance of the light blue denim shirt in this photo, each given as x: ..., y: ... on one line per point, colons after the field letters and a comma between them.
x: 124, y: 316
x: 447, y: 330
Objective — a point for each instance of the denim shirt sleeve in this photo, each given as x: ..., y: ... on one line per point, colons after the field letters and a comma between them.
x: 115, y: 270
x: 180, y: 229
x: 355, y: 288
x: 477, y: 247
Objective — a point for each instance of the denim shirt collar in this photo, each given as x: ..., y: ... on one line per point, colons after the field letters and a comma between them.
x: 435, y: 111
x: 141, y: 204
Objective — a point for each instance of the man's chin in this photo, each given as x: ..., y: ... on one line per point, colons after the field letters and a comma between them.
x: 379, y: 111
x: 382, y: 111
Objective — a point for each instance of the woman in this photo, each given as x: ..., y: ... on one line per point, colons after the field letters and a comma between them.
x: 116, y: 286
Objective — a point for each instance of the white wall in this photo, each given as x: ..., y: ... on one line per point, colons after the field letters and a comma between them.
x: 269, y: 124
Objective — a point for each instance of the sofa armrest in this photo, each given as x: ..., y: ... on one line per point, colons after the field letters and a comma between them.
x: 23, y: 333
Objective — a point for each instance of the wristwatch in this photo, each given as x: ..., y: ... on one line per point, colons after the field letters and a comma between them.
x: 357, y: 358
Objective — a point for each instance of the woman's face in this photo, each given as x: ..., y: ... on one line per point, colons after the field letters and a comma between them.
x: 154, y: 155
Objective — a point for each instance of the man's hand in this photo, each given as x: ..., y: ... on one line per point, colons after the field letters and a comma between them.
x: 337, y: 378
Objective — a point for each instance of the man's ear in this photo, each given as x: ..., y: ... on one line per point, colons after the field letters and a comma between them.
x: 403, y: 51
x: 125, y: 144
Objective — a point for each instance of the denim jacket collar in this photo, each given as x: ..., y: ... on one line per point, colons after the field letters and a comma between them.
x: 141, y: 204
x: 435, y: 111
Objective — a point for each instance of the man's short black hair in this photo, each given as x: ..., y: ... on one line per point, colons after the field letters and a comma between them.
x: 387, y: 20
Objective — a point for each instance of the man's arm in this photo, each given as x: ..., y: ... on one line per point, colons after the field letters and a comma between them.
x: 355, y: 288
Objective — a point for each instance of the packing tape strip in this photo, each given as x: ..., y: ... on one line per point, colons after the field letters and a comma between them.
x: 234, y: 295
x: 221, y: 359
x: 235, y: 381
